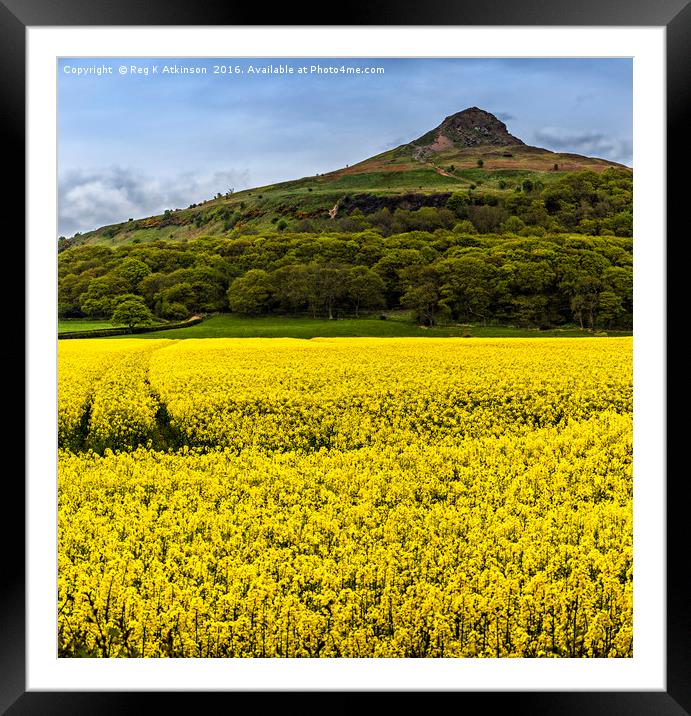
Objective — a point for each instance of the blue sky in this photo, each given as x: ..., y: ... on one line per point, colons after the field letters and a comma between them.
x: 133, y: 144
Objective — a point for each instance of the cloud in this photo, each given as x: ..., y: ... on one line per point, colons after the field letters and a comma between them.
x: 89, y: 199
x: 506, y: 116
x: 592, y: 143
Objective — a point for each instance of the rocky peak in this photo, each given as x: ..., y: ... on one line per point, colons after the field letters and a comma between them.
x: 470, y: 128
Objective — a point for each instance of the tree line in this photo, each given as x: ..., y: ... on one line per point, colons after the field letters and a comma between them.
x: 444, y: 275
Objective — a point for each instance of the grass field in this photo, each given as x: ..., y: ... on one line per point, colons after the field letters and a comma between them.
x: 232, y: 326
x: 83, y: 324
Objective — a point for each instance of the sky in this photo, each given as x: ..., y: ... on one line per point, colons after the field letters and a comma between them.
x: 138, y: 136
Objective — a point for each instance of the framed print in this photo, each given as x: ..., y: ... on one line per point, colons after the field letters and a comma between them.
x: 458, y: 481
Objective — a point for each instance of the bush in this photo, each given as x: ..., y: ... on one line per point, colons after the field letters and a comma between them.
x: 464, y: 227
x: 133, y: 312
x: 512, y: 225
x: 174, y: 311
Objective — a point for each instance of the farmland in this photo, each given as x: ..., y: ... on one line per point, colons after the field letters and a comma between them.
x: 345, y: 497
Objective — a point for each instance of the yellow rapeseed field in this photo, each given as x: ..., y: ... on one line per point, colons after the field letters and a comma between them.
x: 352, y: 497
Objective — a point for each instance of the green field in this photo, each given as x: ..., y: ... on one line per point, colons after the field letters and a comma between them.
x: 232, y: 326
x: 83, y: 324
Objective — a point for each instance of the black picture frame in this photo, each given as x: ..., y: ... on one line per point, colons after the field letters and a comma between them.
x: 17, y: 15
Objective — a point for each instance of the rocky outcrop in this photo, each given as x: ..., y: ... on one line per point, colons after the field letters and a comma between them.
x: 472, y: 127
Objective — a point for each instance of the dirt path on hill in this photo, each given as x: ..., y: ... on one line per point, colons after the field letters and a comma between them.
x: 441, y: 171
x: 419, y: 156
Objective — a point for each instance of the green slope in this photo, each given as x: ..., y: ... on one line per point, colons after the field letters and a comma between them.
x: 410, y: 169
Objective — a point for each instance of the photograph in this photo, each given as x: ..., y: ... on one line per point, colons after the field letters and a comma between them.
x: 345, y: 357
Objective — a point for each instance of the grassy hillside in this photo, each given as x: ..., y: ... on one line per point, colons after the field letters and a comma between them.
x: 322, y: 200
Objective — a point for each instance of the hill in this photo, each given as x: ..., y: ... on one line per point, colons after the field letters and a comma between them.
x: 469, y: 154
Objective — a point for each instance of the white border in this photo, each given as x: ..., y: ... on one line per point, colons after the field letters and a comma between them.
x: 646, y: 670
